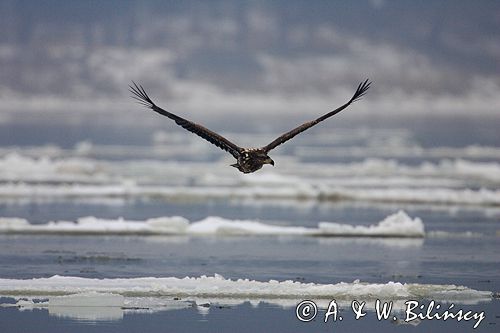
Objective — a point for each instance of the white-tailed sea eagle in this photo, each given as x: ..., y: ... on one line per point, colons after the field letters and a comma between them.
x: 248, y: 159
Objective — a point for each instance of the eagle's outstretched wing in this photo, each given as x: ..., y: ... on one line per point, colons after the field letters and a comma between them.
x: 142, y: 97
x: 360, y: 92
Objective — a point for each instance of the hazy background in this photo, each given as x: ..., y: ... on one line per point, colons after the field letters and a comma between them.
x: 69, y: 60
x: 425, y: 140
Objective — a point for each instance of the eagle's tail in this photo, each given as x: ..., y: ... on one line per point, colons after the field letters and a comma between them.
x: 139, y: 94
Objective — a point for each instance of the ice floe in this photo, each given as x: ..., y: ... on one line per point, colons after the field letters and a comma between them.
x: 218, y: 286
x: 395, y: 225
x: 298, y: 191
x: 15, y: 166
x: 108, y: 299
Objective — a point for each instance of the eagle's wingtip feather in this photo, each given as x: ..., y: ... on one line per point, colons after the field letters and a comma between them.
x: 361, y: 90
x: 139, y: 94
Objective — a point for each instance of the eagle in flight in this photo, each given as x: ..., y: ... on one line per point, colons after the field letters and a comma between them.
x: 248, y: 159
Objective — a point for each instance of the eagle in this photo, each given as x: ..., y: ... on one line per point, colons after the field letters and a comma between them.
x: 248, y: 160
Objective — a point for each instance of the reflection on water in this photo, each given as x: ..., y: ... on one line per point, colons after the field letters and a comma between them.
x: 87, y: 313
x: 94, y: 313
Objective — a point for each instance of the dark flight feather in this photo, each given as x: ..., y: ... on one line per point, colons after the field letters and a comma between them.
x: 360, y: 92
x: 142, y: 97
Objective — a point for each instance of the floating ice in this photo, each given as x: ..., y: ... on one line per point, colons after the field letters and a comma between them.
x: 396, y: 225
x: 167, y: 145
x: 87, y: 306
x: 221, y: 226
x: 220, y: 287
x: 407, y: 195
x: 108, y: 299
x: 300, y: 191
x: 96, y: 306
x: 16, y: 167
x: 371, y: 180
x: 90, y: 298
x: 400, y: 151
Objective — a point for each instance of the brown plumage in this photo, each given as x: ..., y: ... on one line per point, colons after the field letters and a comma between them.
x: 248, y: 159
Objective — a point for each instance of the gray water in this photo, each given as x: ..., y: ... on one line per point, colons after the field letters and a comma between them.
x: 461, y: 246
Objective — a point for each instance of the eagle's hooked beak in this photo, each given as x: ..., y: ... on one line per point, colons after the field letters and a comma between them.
x: 270, y: 161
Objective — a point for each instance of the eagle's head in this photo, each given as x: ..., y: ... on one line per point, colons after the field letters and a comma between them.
x: 263, y: 157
